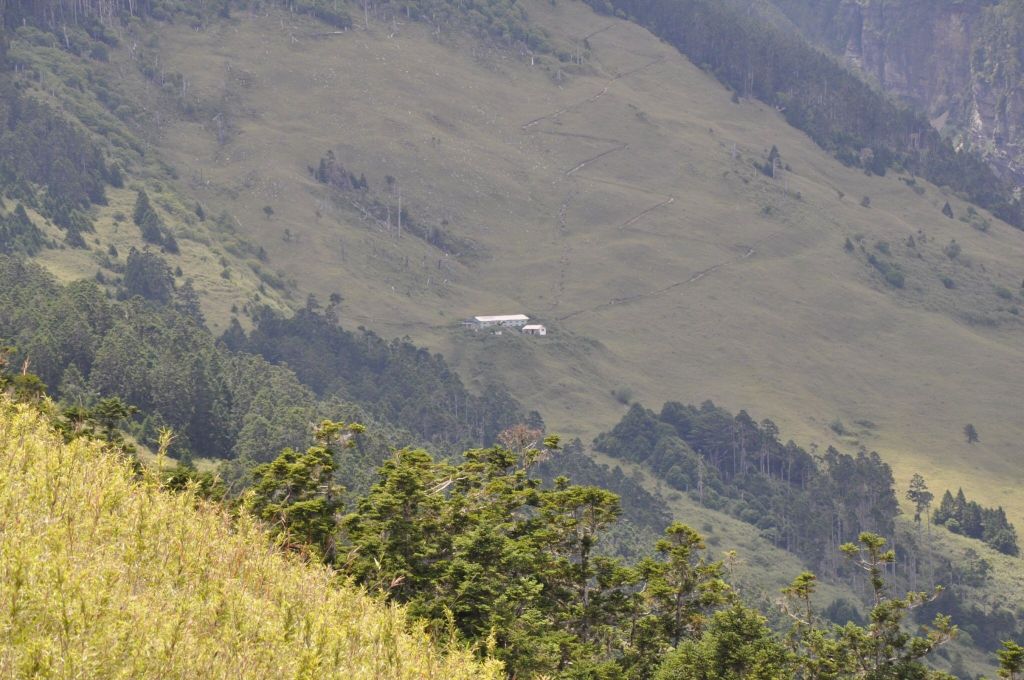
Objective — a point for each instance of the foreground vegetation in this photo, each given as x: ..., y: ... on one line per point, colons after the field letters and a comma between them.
x: 107, y: 575
x: 484, y: 552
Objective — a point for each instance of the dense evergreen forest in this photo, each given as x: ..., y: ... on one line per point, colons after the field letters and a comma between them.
x: 805, y: 503
x: 397, y: 380
x: 226, y: 402
x: 152, y: 351
x: 734, y: 464
x: 38, y: 147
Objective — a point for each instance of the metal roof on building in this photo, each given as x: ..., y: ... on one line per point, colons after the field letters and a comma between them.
x: 499, y: 319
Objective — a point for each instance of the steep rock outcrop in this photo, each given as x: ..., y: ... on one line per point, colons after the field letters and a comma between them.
x: 958, y: 60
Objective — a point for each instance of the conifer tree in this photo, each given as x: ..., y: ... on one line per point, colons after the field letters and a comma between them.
x: 148, y: 221
x: 971, y: 433
x: 297, y: 495
x: 1011, y: 660
x: 920, y: 496
x: 946, y: 509
x: 881, y: 650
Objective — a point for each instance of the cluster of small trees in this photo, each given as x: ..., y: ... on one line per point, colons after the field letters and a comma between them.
x: 386, y: 207
x: 965, y: 517
x: 151, y: 224
x: 39, y: 147
x: 18, y: 234
x: 971, y: 519
x: 890, y: 271
x: 739, y: 466
x: 331, y: 172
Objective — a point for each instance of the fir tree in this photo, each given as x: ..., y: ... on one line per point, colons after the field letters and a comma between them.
x: 188, y: 302
x: 147, y: 220
x: 146, y: 274
x: 920, y: 496
x: 946, y: 509
x: 971, y: 434
x: 1011, y: 660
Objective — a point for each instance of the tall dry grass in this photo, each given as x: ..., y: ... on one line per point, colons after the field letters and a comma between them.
x: 106, y: 576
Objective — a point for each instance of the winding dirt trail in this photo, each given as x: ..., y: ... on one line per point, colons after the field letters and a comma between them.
x: 584, y: 163
x: 663, y: 200
x: 749, y: 252
x: 591, y: 99
x: 632, y: 220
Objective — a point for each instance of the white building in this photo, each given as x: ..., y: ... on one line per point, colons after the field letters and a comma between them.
x: 534, y: 329
x: 511, y: 320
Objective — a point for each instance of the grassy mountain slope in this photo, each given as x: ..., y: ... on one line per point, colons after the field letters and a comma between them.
x: 107, y: 576
x: 608, y: 200
x: 114, y: 106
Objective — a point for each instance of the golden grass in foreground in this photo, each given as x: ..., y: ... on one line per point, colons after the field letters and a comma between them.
x: 103, y: 576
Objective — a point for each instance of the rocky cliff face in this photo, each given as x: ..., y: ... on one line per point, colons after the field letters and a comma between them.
x: 958, y: 60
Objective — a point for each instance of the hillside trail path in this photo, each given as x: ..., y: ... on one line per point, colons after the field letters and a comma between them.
x: 663, y: 200
x: 749, y: 251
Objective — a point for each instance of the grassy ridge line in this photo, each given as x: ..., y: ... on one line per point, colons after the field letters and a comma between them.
x: 103, y: 576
